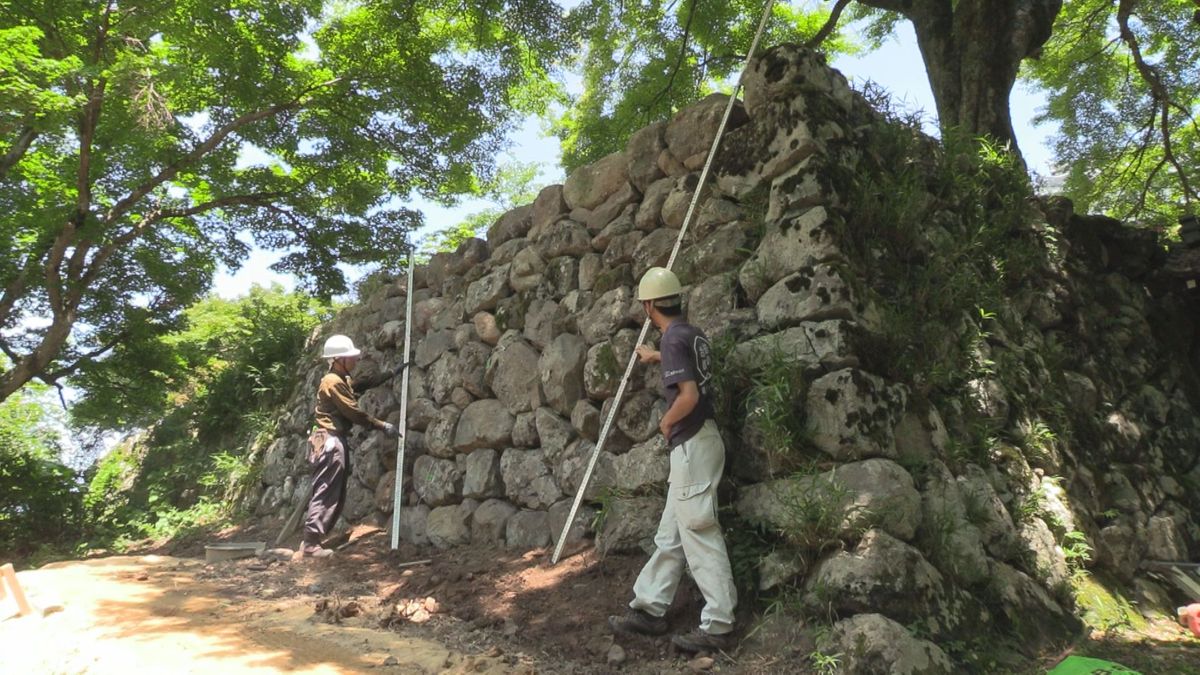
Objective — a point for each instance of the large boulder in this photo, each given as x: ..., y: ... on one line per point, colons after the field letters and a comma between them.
x: 527, y: 529
x: 487, y: 291
x: 525, y: 271
x: 527, y: 478
x: 413, y: 524
x: 873, y: 643
x: 816, y: 347
x: 543, y: 321
x: 580, y: 527
x: 690, y: 133
x: 719, y: 252
x: 481, y: 475
x: 881, y: 574
x: 629, y: 524
x: 853, y: 414
x: 814, y: 293
x: 955, y: 542
x: 512, y: 225
x: 842, y: 502
x: 472, y: 368
x: 612, y: 311
x: 450, y: 525
x: 653, y: 250
x: 572, y: 464
x: 490, y: 520
x: 646, y: 465
x: 588, y: 186
x: 553, y: 432
x: 1019, y: 600
x: 437, y: 482
x: 512, y: 373
x: 565, y: 238
x: 548, y: 208
x: 439, y: 436
x: 484, y: 424
x: 642, y: 155
x: 787, y: 72
x: 788, y: 247
x: 561, y: 372
x: 433, y: 346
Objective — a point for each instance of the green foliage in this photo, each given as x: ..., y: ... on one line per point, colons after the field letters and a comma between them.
x: 143, y: 143
x: 814, y: 512
x: 1103, y: 606
x: 515, y: 183
x: 1076, y: 550
x: 209, y: 394
x: 1126, y: 98
x: 40, y: 498
x: 761, y: 398
x: 643, y: 61
x: 825, y: 664
x: 938, y: 234
x: 747, y: 545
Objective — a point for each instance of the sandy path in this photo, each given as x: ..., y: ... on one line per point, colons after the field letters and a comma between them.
x: 151, y: 614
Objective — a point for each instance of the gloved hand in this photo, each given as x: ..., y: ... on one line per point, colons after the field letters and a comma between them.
x: 400, y: 368
x: 390, y: 430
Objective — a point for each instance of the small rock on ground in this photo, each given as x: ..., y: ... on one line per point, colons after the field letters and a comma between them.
x: 616, y: 655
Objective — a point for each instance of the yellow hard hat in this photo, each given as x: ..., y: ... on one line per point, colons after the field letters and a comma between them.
x: 658, y: 282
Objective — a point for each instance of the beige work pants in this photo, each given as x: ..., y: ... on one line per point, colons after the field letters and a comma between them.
x: 689, y: 533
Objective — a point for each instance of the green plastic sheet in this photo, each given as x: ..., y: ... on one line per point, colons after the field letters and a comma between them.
x: 1086, y: 665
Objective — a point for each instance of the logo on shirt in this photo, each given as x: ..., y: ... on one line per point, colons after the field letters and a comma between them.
x: 703, y: 360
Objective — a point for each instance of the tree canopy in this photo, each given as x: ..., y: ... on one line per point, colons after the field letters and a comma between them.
x: 1124, y: 85
x: 1120, y: 77
x: 143, y: 143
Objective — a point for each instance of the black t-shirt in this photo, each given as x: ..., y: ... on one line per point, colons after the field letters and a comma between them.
x: 686, y: 356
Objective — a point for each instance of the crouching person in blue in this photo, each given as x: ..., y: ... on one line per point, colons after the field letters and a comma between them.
x: 329, y: 455
x: 688, y: 533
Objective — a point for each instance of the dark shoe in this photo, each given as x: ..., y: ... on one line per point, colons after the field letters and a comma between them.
x: 638, y: 622
x: 314, y: 551
x: 700, y: 641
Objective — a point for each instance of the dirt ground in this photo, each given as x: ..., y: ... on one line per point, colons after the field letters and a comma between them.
x: 477, y: 610
x: 467, y: 610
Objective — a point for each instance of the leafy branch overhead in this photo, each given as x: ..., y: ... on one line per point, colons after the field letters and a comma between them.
x: 1115, y: 70
x: 144, y: 143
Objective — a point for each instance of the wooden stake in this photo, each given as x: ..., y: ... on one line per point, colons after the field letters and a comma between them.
x: 10, y: 579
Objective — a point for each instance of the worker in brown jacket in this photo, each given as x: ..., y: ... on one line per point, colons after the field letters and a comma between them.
x: 337, y: 411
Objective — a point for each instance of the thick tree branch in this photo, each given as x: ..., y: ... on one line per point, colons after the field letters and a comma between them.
x: 124, y: 205
x: 17, y: 151
x: 1159, y: 93
x: 683, y: 43
x: 830, y: 25
x: 54, y: 376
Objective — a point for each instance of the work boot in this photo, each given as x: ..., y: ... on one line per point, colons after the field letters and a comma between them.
x: 638, y: 622
x: 702, y: 641
x: 314, y: 551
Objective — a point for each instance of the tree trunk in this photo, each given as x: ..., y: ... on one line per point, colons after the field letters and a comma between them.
x: 35, y: 363
x: 972, y: 51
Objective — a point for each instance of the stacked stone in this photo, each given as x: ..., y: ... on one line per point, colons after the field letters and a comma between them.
x: 522, y: 338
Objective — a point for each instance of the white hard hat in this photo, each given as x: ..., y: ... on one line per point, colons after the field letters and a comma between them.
x: 339, y: 345
x: 658, y: 282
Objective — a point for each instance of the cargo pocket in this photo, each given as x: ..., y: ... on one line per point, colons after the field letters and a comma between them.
x: 696, y: 505
x: 316, y: 445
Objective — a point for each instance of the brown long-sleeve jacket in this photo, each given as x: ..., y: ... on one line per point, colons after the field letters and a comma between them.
x: 337, y: 405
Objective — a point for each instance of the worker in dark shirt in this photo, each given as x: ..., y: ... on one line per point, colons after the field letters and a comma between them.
x: 337, y: 411
x: 688, y: 533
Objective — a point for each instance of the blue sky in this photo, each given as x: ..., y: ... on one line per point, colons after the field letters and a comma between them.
x: 896, y: 66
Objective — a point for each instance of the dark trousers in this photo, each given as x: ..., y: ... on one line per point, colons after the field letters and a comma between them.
x: 331, y: 468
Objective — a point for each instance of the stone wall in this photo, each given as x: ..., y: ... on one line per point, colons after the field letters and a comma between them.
x: 521, y: 339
